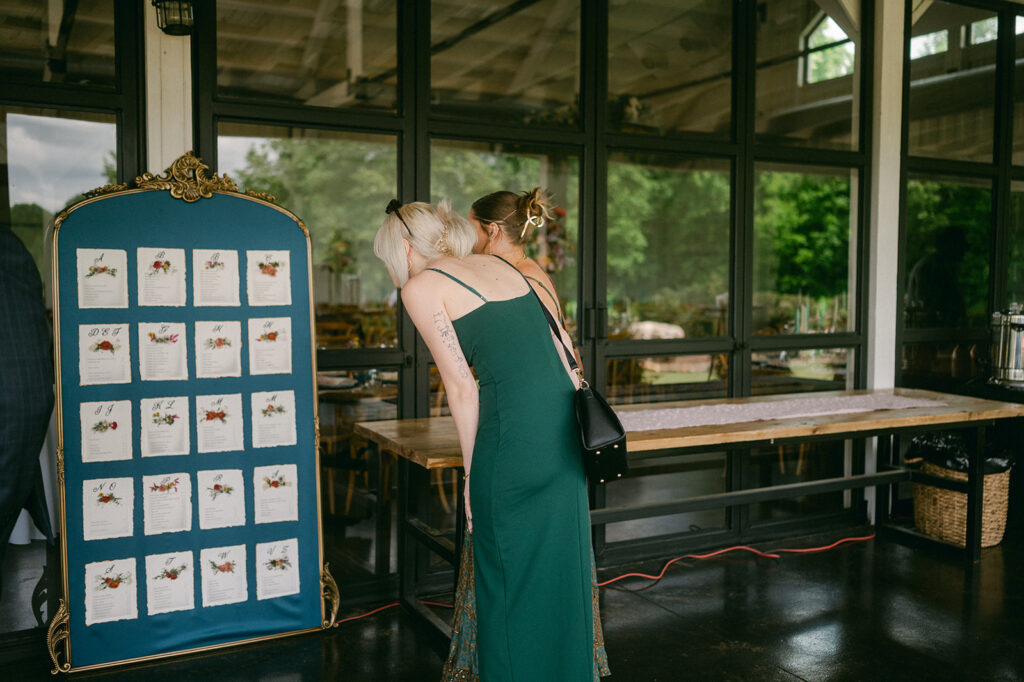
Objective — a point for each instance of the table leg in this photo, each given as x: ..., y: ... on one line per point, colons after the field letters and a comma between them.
x: 406, y: 544
x: 382, y: 555
x: 883, y: 458
x: 975, y: 492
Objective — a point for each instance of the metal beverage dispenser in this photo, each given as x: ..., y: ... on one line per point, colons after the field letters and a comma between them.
x: 1008, y: 347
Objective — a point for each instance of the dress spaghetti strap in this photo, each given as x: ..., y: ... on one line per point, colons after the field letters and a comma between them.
x: 459, y: 281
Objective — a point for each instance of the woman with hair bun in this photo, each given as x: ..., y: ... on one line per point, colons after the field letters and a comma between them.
x: 527, y: 505
x: 505, y: 222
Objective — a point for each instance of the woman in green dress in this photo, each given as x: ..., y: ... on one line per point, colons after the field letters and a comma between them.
x: 505, y: 222
x: 527, y: 498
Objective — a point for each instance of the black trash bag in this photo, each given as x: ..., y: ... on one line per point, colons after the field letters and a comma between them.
x: 948, y: 449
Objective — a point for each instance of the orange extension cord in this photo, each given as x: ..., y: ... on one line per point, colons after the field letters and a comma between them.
x: 769, y: 554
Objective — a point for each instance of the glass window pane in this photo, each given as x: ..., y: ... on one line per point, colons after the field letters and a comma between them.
x: 466, y: 171
x: 1018, y: 94
x: 952, y: 85
x: 666, y: 378
x: 338, y: 184
x: 356, y: 487
x: 948, y: 232
x: 324, y: 54
x: 58, y: 42
x: 797, y: 463
x: 42, y: 177
x: 807, y: 71
x: 668, y: 246
x: 799, y: 371
x: 662, y: 479
x: 670, y: 67
x: 1015, y: 277
x: 943, y: 364
x: 506, y: 62
x: 804, y: 249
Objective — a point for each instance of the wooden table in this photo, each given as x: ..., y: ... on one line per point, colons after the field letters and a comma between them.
x: 432, y: 443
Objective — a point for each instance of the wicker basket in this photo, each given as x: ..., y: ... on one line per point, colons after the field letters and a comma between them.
x: 942, y: 513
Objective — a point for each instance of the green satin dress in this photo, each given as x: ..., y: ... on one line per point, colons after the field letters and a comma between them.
x: 531, y: 524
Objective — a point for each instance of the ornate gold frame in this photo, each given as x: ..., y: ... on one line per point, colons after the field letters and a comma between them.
x: 185, y: 179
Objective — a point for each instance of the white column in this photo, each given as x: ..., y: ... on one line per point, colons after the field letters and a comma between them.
x: 883, y: 225
x: 887, y: 112
x: 168, y: 94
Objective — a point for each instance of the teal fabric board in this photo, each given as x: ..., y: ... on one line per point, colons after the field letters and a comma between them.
x: 154, y: 219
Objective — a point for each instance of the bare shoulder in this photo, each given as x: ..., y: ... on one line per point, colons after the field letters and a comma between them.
x: 530, y: 268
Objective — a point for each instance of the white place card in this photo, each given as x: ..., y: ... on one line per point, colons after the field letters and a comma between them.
x: 108, y: 506
x: 275, y: 493
x: 223, y: 571
x: 270, y: 345
x: 111, y: 591
x: 268, y: 278
x: 273, y: 418
x: 165, y: 426
x: 169, y: 583
x: 106, y: 430
x: 102, y: 278
x: 277, y: 568
x: 166, y: 503
x: 218, y: 349
x: 221, y: 498
x: 219, y: 423
x: 161, y: 276
x: 104, y: 354
x: 163, y: 351
x: 215, y: 277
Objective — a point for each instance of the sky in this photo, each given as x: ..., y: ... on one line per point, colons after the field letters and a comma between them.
x: 52, y: 160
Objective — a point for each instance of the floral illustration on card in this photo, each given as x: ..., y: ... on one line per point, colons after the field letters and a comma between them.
x: 113, y: 582
x: 282, y: 564
x: 268, y: 336
x: 276, y: 482
x: 165, y: 487
x: 171, y: 573
x: 167, y: 338
x: 226, y: 567
x: 216, y: 415
x: 218, y: 342
x: 271, y: 410
x: 218, y: 489
x: 162, y: 266
x: 105, y: 346
x: 101, y: 270
x: 166, y: 418
x: 103, y: 426
x: 214, y: 264
x: 107, y: 498
x: 269, y: 268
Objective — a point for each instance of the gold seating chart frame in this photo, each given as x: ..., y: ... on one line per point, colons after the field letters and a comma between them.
x: 187, y: 425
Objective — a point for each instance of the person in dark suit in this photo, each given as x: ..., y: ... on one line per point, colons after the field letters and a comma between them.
x: 26, y: 388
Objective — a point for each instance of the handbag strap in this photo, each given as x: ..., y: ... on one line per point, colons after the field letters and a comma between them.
x: 551, y: 322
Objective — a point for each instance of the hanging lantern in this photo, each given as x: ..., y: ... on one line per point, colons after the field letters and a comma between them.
x: 174, y: 17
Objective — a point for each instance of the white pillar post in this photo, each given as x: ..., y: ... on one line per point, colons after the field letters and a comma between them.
x: 168, y: 94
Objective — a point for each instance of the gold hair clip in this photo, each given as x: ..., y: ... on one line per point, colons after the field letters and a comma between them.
x: 532, y: 220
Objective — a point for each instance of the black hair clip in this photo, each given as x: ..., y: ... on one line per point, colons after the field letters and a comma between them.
x: 393, y: 207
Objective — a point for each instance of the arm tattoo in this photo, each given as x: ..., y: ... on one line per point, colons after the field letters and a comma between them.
x: 444, y: 328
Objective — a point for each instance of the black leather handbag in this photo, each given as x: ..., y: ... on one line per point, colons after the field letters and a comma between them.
x: 601, y: 434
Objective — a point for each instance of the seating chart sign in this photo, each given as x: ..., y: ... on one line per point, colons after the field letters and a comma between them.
x: 187, y: 415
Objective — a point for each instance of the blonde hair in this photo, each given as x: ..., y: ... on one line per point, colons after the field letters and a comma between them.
x: 433, y: 231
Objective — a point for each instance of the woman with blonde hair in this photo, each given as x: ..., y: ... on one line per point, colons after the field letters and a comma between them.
x: 527, y: 503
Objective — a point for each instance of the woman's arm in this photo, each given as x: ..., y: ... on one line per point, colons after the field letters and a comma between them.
x: 427, y: 311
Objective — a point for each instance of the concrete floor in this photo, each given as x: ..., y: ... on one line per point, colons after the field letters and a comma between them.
x: 876, y: 610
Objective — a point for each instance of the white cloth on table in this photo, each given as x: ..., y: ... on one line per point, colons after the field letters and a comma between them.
x: 732, y: 413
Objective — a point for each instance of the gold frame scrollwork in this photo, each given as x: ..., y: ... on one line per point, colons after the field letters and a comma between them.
x: 186, y: 179
x: 56, y: 635
x: 329, y: 593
